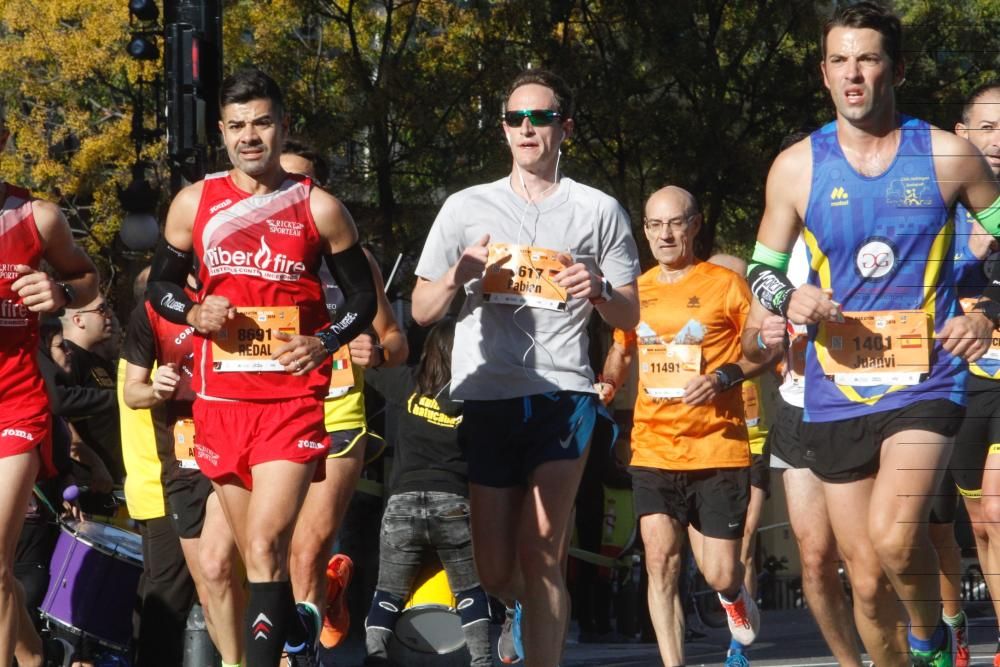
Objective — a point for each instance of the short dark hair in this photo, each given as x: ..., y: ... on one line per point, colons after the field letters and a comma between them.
x: 871, y: 15
x: 304, y: 150
x: 552, y: 81
x: 974, y: 96
x: 248, y: 84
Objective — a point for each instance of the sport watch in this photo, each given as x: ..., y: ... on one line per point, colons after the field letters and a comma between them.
x: 607, y: 292
x: 68, y: 293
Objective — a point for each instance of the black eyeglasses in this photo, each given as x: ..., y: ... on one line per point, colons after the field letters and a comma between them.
x: 537, y: 117
x: 103, y: 309
x: 654, y: 226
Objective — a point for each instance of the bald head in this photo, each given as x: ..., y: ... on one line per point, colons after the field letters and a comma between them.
x: 674, y: 197
x: 671, y: 223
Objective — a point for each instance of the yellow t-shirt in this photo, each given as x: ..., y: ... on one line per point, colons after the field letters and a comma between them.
x: 711, y: 304
x: 143, y: 486
x: 756, y: 415
x: 345, y: 411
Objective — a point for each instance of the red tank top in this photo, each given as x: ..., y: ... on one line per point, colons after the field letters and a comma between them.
x: 22, y: 391
x: 259, y: 250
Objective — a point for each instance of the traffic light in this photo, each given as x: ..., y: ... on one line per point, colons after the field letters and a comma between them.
x: 144, y: 10
x: 142, y: 16
x: 193, y: 68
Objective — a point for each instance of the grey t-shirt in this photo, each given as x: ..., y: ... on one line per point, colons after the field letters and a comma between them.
x: 504, y: 351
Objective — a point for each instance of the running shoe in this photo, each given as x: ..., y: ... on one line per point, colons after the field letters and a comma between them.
x: 960, y: 636
x: 304, y: 653
x: 507, y: 645
x: 996, y: 656
x: 743, y: 617
x: 943, y: 656
x: 736, y: 655
x: 336, y: 618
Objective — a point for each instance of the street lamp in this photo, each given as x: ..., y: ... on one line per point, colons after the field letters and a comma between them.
x: 140, y: 229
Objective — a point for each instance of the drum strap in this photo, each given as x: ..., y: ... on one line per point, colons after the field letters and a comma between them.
x: 45, y: 501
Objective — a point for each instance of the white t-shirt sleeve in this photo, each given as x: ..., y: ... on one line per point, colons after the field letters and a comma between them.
x: 619, y: 257
x: 443, y: 245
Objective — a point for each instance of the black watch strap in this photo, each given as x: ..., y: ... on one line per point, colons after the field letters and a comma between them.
x: 729, y: 376
x: 68, y: 292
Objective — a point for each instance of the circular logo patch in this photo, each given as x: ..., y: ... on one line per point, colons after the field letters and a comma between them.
x: 875, y: 259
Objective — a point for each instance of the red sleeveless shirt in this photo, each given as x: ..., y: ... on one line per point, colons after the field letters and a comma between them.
x: 22, y: 391
x: 259, y: 251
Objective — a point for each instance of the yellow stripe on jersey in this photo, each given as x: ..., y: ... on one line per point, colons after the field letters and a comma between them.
x: 932, y: 269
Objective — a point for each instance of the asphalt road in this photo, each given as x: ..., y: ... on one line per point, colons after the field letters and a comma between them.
x: 787, y: 638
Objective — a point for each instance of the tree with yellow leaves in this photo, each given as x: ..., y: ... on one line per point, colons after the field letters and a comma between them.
x: 70, y: 89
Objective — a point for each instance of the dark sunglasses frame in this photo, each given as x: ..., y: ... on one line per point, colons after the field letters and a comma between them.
x: 537, y: 117
x: 103, y: 309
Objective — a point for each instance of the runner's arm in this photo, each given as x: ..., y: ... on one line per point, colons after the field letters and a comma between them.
x: 390, y: 338
x: 71, y: 264
x: 349, y: 266
x: 173, y: 261
x: 763, y: 339
x: 432, y: 298
x: 616, y: 366
x: 622, y: 309
x: 786, y: 199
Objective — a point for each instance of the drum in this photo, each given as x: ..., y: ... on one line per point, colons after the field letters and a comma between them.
x: 429, y: 622
x: 95, y: 572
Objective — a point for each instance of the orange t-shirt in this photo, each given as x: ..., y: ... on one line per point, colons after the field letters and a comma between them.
x: 708, y: 305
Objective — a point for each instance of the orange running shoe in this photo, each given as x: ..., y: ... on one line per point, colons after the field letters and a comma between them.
x: 336, y: 619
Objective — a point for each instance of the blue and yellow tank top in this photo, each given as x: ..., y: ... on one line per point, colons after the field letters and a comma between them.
x: 971, y: 282
x: 882, y: 243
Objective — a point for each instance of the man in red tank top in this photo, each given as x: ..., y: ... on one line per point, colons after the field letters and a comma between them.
x: 30, y: 231
x: 262, y: 353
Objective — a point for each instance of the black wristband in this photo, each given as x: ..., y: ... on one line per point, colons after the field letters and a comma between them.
x: 329, y: 340
x: 729, y: 376
x: 771, y: 287
x: 989, y: 308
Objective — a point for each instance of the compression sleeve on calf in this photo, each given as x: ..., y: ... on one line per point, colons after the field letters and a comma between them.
x: 167, y: 274
x: 989, y: 218
x: 353, y: 274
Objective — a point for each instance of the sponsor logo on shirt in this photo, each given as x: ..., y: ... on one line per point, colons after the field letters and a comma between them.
x: 264, y: 263
x: 13, y: 313
x: 910, y: 191
x: 221, y: 205
x: 16, y: 433
x: 838, y: 197
x: 875, y: 258
x: 286, y: 227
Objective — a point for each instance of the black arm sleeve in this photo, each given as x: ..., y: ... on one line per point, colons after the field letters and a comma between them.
x: 771, y: 287
x: 167, y: 275
x: 353, y: 274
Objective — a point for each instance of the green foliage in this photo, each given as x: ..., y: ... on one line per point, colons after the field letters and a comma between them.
x: 404, y: 96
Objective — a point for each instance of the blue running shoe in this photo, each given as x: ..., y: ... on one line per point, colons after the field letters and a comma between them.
x: 304, y: 653
x: 737, y: 660
x: 736, y: 655
x: 506, y: 648
x: 516, y: 630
